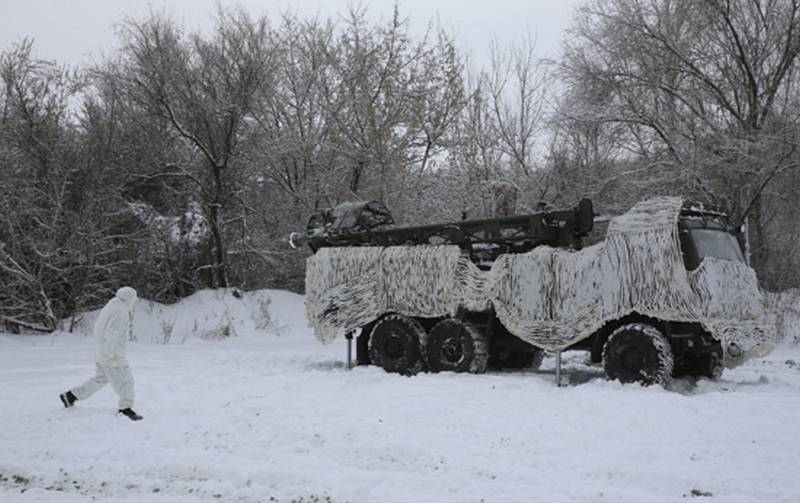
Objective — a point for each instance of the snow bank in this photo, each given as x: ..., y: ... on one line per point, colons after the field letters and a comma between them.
x: 213, y: 315
x: 271, y: 415
x: 255, y: 419
x: 190, y: 227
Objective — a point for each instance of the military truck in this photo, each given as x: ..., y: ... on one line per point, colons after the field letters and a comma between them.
x: 666, y: 293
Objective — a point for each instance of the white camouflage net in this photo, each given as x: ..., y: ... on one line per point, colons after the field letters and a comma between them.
x: 549, y: 297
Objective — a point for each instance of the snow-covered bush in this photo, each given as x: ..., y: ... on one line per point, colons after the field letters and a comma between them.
x: 166, y: 330
x: 260, y: 313
x: 783, y: 312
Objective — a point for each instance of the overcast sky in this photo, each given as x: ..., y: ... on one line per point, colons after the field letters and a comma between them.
x: 75, y: 31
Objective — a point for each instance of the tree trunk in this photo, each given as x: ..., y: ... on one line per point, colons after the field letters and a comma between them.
x: 759, y: 248
x: 220, y: 268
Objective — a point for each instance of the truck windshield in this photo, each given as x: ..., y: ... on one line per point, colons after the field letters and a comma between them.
x: 717, y: 244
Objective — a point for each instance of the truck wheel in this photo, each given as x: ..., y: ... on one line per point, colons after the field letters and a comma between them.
x: 638, y: 353
x: 525, y: 359
x: 457, y: 347
x: 396, y: 344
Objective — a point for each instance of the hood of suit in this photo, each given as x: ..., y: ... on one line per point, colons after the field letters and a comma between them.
x: 127, y: 295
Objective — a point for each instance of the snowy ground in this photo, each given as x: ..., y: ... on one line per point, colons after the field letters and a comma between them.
x: 270, y: 415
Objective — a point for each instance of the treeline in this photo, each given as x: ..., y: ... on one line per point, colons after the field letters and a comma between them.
x: 183, y: 160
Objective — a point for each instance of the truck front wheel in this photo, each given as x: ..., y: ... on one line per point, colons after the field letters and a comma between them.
x: 396, y: 344
x: 458, y: 347
x: 638, y: 353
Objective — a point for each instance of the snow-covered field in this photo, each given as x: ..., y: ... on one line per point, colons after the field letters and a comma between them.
x: 268, y: 414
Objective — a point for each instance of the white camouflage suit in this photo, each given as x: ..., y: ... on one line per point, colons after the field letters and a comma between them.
x: 111, y: 333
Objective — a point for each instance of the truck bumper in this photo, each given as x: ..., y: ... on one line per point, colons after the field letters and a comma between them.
x: 743, y: 341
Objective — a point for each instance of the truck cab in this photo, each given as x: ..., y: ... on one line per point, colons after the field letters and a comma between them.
x: 706, y: 234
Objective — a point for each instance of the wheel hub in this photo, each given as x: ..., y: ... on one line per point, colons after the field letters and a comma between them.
x: 453, y: 350
x: 393, y: 348
x: 632, y: 360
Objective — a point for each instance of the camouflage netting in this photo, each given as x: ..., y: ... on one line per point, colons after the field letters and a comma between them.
x: 549, y: 297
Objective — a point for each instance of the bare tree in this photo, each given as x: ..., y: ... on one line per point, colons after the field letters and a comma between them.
x: 205, y: 88
x: 501, y: 133
x: 358, y: 110
x: 61, y: 247
x: 702, y: 89
x: 293, y: 144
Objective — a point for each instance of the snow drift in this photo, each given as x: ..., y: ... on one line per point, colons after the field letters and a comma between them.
x: 211, y: 315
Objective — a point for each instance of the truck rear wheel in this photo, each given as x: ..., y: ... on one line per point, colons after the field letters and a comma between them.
x: 458, y: 347
x: 638, y: 353
x: 397, y: 344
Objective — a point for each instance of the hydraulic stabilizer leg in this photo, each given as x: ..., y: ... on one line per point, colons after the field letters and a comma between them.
x: 349, y: 337
x: 558, y: 369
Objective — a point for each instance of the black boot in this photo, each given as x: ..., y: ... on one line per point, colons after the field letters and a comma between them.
x: 130, y: 414
x: 68, y: 399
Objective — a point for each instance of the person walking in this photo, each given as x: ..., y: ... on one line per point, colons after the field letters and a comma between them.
x: 111, y: 334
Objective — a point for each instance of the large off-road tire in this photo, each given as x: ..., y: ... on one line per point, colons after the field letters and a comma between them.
x: 397, y: 343
x: 530, y: 359
x: 458, y: 347
x: 638, y: 353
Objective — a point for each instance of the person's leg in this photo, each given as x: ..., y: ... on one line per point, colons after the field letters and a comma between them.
x: 122, y: 381
x: 91, y: 386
